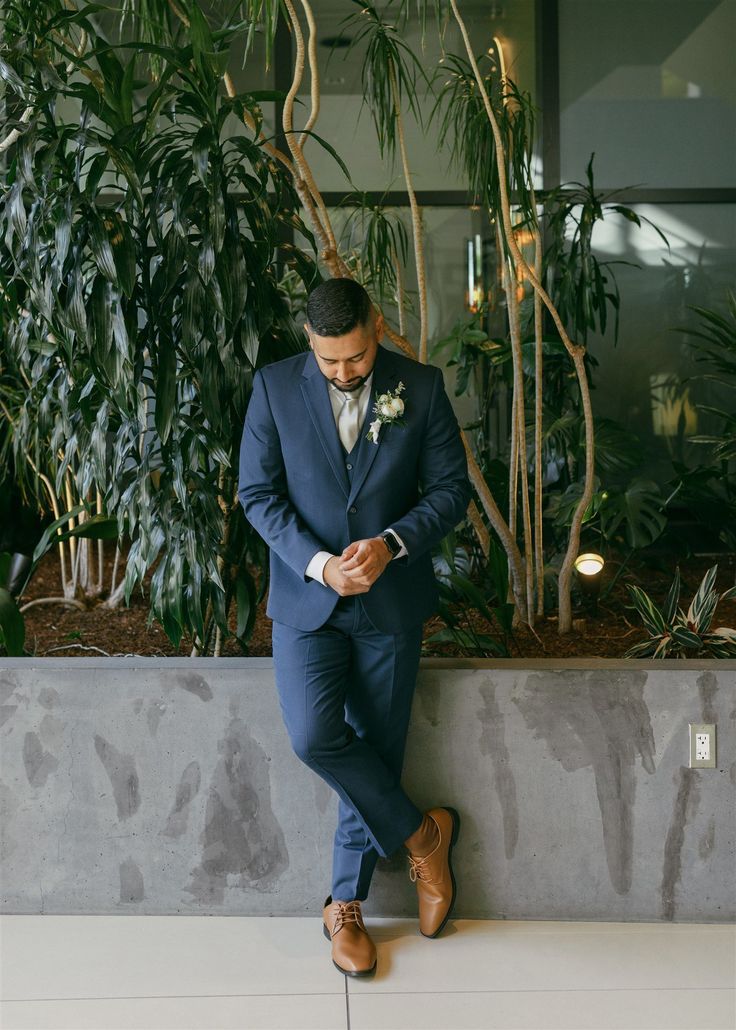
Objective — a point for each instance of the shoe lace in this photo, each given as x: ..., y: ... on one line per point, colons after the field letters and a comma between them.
x: 418, y: 869
x: 347, y: 912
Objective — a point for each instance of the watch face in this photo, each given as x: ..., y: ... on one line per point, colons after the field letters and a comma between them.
x: 392, y: 543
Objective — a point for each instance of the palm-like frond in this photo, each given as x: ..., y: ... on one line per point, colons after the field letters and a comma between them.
x: 387, y: 57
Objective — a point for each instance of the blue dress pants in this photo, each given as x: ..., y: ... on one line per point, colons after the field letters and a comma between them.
x: 345, y: 692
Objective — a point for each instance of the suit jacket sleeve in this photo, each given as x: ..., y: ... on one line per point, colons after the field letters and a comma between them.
x: 443, y: 477
x: 262, y: 486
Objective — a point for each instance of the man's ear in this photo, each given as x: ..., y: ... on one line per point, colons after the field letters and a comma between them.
x: 309, y: 338
x: 379, y: 326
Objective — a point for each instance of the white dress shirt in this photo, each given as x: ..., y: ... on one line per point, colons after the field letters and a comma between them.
x: 316, y: 566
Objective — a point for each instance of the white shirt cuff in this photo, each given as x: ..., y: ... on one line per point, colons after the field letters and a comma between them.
x: 396, y: 537
x: 316, y: 567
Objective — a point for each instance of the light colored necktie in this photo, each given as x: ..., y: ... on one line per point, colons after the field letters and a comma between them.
x: 348, y: 425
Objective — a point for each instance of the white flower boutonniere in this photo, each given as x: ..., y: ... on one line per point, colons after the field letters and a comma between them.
x: 388, y: 410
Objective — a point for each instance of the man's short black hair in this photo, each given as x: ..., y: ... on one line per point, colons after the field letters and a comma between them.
x: 338, y: 306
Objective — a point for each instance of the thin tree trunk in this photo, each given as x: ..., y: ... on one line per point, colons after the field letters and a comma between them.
x: 518, y: 420
x: 499, y: 525
x: 400, y: 293
x: 484, y: 537
x: 538, y: 411
x: 100, y: 551
x: 304, y: 183
x: 415, y: 221
x: 72, y: 587
x: 575, y: 351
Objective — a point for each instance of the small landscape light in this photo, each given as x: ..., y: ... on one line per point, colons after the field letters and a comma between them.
x: 589, y: 564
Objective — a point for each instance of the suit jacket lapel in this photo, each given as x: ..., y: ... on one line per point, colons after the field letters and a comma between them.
x: 317, y: 398
x: 384, y: 378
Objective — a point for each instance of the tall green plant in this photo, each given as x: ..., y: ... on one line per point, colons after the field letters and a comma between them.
x: 139, y: 228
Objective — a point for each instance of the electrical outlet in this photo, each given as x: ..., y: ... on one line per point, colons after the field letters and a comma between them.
x: 702, y: 746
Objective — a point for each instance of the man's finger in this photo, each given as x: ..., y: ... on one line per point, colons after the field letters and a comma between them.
x: 359, y: 557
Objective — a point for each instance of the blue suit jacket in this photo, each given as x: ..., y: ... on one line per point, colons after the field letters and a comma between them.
x: 295, y: 490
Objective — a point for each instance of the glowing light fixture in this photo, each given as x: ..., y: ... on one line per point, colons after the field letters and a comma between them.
x: 589, y: 564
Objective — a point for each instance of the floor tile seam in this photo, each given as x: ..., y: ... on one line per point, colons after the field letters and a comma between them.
x: 545, y: 990
x: 182, y: 997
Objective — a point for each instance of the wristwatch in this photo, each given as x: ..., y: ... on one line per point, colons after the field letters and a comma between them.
x: 392, y: 543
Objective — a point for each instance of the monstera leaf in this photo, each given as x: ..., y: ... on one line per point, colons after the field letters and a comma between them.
x: 561, y: 506
x: 637, y: 510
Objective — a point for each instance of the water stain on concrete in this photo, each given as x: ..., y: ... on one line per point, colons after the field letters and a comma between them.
x: 707, y: 690
x: 684, y: 808
x: 708, y: 839
x: 186, y: 790
x: 493, y: 743
x: 686, y: 804
x: 195, y: 684
x: 131, y: 882
x: 243, y: 845
x: 123, y: 776
x: 429, y: 700
x: 8, y: 686
x: 8, y: 808
x: 7, y: 712
x: 52, y: 732
x: 154, y: 713
x: 48, y: 697
x: 39, y: 763
x: 597, y: 719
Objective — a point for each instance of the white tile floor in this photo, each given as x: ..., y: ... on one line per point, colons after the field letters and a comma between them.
x: 155, y: 972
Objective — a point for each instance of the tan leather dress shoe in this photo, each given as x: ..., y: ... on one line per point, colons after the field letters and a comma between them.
x: 433, y: 874
x: 353, y: 952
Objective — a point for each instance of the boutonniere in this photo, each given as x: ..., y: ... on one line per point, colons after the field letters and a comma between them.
x: 388, y: 410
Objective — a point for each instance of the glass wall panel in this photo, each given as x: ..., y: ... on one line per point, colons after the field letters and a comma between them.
x: 650, y: 86
x: 644, y: 381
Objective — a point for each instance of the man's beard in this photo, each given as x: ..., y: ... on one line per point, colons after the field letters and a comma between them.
x: 360, y: 382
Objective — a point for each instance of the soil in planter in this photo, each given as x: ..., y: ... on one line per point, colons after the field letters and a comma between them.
x: 57, y: 630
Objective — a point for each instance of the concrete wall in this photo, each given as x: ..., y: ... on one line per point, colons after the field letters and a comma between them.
x: 168, y: 786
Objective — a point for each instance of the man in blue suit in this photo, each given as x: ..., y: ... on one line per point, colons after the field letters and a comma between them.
x: 352, y: 469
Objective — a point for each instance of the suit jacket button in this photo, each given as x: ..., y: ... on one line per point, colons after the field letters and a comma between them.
x: 353, y: 510
x: 349, y: 467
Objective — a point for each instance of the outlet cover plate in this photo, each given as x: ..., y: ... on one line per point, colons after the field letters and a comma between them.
x: 697, y: 730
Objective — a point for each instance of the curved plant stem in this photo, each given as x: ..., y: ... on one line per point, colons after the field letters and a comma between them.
x: 484, y: 537
x: 499, y: 525
x: 70, y: 602
x: 519, y: 415
x: 54, y: 501
x: 313, y: 73
x: 15, y: 134
x: 575, y: 351
x: 261, y: 139
x: 519, y: 462
x: 415, y: 220
x: 401, y: 342
x: 400, y: 293
x: 304, y: 182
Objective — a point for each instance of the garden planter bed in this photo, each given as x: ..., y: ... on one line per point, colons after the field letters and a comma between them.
x: 57, y: 630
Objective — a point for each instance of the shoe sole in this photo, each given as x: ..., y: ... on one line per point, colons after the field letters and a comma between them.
x: 455, y: 832
x: 349, y: 972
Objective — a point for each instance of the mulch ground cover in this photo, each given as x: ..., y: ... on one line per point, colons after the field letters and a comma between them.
x: 55, y: 630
